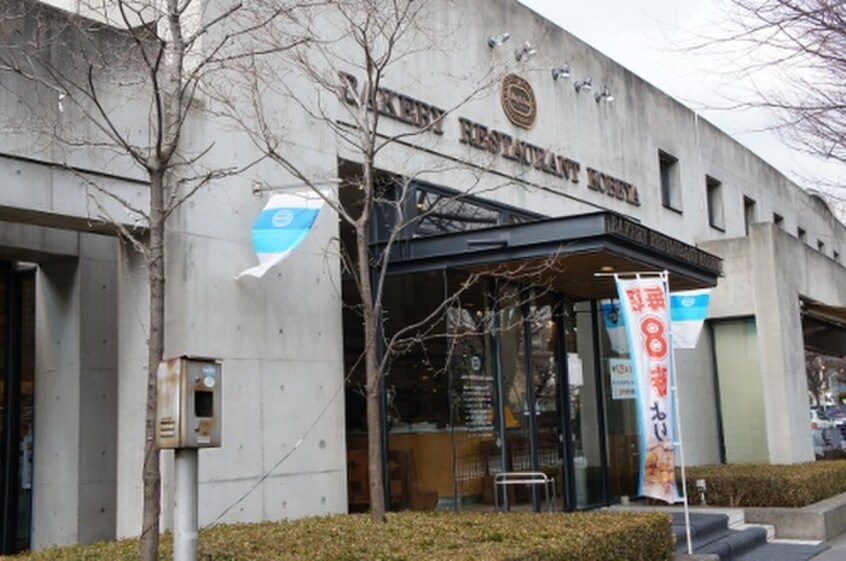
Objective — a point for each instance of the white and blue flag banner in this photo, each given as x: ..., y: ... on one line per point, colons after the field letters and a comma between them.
x: 283, y: 224
x: 688, y: 311
x: 645, y: 305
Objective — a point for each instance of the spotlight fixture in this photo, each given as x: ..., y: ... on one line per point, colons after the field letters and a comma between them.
x: 526, y: 51
x: 497, y: 40
x: 562, y: 71
x: 584, y: 84
x: 604, y: 94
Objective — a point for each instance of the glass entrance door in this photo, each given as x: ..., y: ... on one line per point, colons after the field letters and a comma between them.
x: 531, y: 405
x: 17, y: 359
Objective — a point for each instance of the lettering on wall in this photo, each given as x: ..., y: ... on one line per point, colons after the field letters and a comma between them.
x: 612, y: 186
x: 518, y: 102
x: 393, y: 105
x: 503, y: 144
x: 657, y: 241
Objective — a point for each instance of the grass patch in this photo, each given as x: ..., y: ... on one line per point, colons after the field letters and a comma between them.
x: 795, y: 485
x: 411, y: 536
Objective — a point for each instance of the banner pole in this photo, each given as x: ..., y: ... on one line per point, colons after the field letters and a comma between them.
x: 675, y: 389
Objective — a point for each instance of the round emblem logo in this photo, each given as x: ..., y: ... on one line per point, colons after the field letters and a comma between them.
x: 518, y: 101
x: 282, y: 218
x: 476, y: 363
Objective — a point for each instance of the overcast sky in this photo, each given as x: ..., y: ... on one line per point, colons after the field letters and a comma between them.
x: 652, y: 38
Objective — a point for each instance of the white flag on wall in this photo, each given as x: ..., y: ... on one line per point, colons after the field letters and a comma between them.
x: 282, y: 225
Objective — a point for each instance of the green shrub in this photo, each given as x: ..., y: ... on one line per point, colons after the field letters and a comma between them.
x: 411, y: 536
x: 794, y: 485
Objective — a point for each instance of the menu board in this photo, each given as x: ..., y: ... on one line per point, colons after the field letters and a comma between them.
x: 477, y: 396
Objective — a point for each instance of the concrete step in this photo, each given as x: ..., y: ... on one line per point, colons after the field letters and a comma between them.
x: 704, y: 528
x: 735, y: 543
x: 782, y: 552
x: 730, y: 539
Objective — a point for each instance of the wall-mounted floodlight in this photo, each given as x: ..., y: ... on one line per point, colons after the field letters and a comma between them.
x: 497, y: 40
x: 525, y: 52
x: 562, y: 71
x: 604, y: 95
x: 584, y: 84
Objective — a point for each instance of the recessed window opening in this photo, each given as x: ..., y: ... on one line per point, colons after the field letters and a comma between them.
x: 801, y: 234
x: 670, y: 187
x: 749, y: 217
x: 778, y: 220
x: 716, y: 213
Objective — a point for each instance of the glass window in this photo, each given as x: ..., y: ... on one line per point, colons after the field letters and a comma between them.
x: 17, y: 349
x: 741, y: 391
x: 585, y: 408
x: 620, y: 404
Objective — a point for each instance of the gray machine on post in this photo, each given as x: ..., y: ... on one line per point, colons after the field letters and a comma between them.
x: 188, y: 417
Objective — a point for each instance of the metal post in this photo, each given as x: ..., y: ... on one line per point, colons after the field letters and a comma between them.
x: 185, y: 509
x: 675, y: 391
x: 680, y: 444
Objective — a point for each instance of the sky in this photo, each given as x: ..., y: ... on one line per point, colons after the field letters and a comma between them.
x: 653, y: 39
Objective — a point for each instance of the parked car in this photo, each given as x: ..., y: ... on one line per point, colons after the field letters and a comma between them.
x: 820, y: 419
x: 837, y: 414
x: 826, y: 433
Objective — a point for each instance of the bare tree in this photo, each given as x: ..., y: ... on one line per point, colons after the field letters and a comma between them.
x: 343, y: 82
x: 132, y: 74
x: 806, y: 40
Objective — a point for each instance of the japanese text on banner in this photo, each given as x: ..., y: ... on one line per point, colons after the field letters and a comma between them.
x: 645, y: 307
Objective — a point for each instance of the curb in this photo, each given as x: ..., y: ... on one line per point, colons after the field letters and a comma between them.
x: 821, y: 521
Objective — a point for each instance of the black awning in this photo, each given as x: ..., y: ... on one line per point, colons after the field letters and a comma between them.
x: 563, y: 252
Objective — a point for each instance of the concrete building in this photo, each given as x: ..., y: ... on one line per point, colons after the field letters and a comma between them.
x: 525, y: 165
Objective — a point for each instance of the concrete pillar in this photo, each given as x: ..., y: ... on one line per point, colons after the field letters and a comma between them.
x: 75, y: 396
x: 133, y: 318
x: 57, y: 439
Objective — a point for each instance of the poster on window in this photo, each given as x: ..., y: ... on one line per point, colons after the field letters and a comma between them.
x: 646, y: 311
x: 622, y: 378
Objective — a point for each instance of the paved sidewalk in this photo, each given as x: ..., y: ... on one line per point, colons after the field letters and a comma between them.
x: 836, y: 551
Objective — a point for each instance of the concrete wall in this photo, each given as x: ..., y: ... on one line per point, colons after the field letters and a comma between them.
x: 766, y: 274
x: 281, y: 344
x: 698, y: 399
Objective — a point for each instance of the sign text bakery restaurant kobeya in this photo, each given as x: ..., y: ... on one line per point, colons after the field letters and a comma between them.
x: 520, y: 107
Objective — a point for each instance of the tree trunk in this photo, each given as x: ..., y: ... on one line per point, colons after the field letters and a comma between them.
x: 149, y: 543
x: 372, y: 320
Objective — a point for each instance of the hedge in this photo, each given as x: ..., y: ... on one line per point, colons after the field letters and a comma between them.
x: 408, y: 536
x: 795, y: 485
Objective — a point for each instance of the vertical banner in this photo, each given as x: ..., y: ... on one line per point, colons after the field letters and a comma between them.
x: 688, y: 311
x: 281, y: 226
x: 646, y: 311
